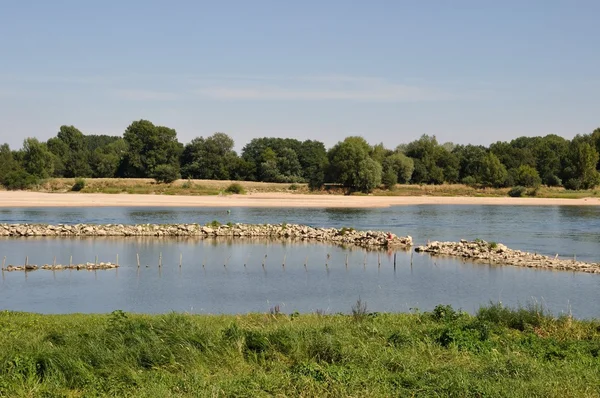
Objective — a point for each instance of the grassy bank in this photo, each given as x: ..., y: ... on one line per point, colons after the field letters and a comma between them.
x: 498, y: 352
x: 214, y: 187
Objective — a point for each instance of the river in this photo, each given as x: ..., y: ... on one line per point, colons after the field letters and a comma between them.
x: 217, y: 277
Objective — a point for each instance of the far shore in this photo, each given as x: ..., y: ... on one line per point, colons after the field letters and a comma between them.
x: 39, y: 199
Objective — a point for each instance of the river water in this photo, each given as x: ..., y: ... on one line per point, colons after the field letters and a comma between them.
x: 229, y: 277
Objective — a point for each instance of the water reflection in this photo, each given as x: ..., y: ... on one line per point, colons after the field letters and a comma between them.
x: 249, y: 276
x: 565, y: 230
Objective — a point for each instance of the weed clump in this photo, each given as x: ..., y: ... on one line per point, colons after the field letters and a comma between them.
x: 79, y: 185
x: 517, y: 192
x: 235, y: 188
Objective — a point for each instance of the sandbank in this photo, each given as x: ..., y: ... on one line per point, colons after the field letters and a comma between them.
x: 39, y: 199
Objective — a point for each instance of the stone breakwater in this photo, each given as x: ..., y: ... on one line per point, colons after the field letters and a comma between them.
x: 343, y: 236
x: 496, y: 253
x: 59, y: 267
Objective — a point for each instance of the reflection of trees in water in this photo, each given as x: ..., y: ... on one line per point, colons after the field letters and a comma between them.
x: 571, y: 212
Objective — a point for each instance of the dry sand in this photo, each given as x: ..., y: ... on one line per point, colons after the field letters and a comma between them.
x: 38, y: 199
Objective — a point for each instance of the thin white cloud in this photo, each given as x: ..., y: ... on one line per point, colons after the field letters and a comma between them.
x: 145, y: 95
x: 323, y: 88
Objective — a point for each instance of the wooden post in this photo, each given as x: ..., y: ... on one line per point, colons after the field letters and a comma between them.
x: 71, y: 260
x: 160, y: 259
x: 3, y: 262
x: 180, y: 259
x: 54, y: 262
x: 96, y: 260
x: 346, y: 260
x: 305, y: 261
x: 283, y: 264
x: 394, y: 261
x: 117, y: 258
x: 26, y: 260
x: 378, y: 260
x: 138, y: 259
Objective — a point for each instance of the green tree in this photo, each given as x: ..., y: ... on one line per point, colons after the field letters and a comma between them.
x: 7, y: 161
x: 527, y: 176
x: 212, y: 158
x: 369, y: 175
x: 493, y: 172
x: 580, y: 166
x: 73, y: 153
x: 37, y: 159
x: 105, y: 159
x: 351, y: 165
x: 434, y: 164
x: 397, y: 167
x: 470, y: 160
x: 147, y: 147
x: 313, y: 160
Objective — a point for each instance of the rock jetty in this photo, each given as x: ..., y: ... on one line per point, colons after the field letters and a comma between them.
x: 343, y: 236
x: 497, y: 253
x: 59, y: 267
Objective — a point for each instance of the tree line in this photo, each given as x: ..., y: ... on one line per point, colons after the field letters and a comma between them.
x: 146, y: 150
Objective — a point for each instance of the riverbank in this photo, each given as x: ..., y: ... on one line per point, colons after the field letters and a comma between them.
x: 497, y: 352
x: 42, y: 199
x: 148, y: 186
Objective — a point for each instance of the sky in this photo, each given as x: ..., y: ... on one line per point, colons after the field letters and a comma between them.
x: 465, y: 71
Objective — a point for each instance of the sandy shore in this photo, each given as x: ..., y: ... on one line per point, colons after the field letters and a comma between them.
x: 38, y: 199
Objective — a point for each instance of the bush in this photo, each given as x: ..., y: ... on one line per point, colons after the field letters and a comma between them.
x: 293, y: 187
x: 573, y: 184
x: 79, y: 185
x: 165, y: 173
x: 236, y: 188
x: 517, y: 192
x: 527, y: 176
x: 470, y: 181
x: 552, y: 181
x: 20, y: 179
x: 389, y: 179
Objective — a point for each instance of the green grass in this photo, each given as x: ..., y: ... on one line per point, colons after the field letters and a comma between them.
x: 498, y: 352
x: 215, y: 187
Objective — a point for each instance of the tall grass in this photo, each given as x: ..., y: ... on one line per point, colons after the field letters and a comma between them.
x: 498, y: 352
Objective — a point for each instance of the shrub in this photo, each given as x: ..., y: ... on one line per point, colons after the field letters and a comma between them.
x: 527, y: 176
x: 359, y: 310
x: 293, y: 187
x: 79, y: 185
x: 517, y: 192
x: 552, y: 181
x: 520, y: 318
x: 573, y: 184
x: 236, y: 188
x: 165, y: 173
x: 20, y: 179
x: 470, y: 181
x: 389, y: 179
x: 213, y: 224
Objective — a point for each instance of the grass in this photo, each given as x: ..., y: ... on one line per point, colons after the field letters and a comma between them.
x: 213, y: 187
x: 179, y: 187
x: 498, y: 352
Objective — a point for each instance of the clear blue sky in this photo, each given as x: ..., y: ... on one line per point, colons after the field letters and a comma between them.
x: 466, y: 71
